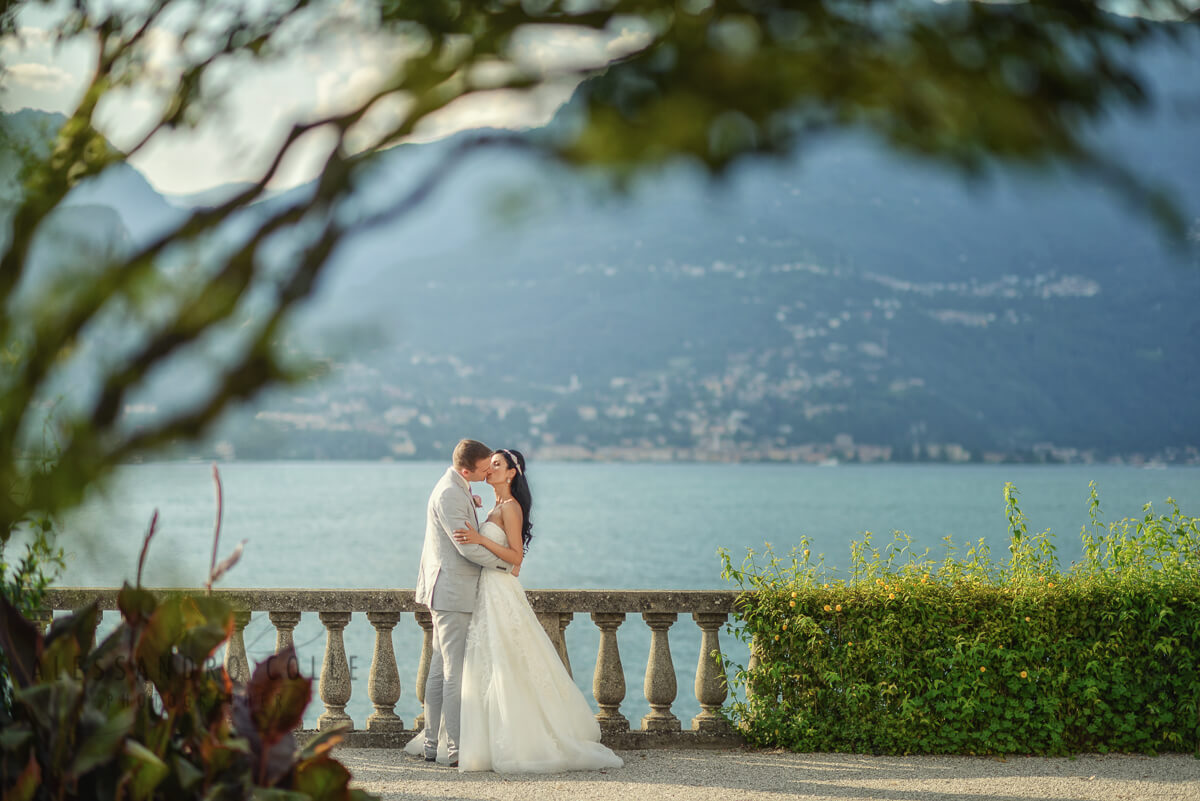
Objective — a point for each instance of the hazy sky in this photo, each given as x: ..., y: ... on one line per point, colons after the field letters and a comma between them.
x: 261, y: 102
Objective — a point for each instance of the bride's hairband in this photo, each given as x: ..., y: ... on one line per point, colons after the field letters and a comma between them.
x: 512, y: 458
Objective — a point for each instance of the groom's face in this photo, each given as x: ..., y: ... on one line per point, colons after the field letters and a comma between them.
x: 483, y: 469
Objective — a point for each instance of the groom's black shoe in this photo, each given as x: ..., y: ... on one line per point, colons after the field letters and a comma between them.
x: 430, y: 759
x: 454, y: 764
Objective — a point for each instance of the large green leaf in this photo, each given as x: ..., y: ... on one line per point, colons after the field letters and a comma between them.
x: 136, y: 604
x: 156, y: 651
x: 199, y: 641
x: 14, y: 736
x: 53, y: 706
x: 143, y: 768
x: 187, y: 775
x: 324, y: 779
x: 60, y: 658
x: 102, y: 743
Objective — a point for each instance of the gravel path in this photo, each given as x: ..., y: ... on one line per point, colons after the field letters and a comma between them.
x: 749, y: 775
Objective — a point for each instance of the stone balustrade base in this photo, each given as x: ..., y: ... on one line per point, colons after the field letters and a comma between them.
x: 633, y: 740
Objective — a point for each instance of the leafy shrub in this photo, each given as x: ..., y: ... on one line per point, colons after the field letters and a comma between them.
x: 970, y: 655
x: 25, y: 579
x: 143, y: 715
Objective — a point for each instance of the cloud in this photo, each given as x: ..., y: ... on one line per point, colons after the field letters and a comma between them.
x: 339, y: 90
x: 37, y: 77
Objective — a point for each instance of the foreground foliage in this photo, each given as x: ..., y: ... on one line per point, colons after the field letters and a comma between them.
x: 143, y: 715
x: 147, y: 713
x: 974, y: 656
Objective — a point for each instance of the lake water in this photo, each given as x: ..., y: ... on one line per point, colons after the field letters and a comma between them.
x: 596, y: 526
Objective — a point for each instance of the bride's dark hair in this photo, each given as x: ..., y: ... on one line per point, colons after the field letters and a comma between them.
x: 520, y: 490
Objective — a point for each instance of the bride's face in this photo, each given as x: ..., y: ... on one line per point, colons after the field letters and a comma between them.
x: 500, y: 473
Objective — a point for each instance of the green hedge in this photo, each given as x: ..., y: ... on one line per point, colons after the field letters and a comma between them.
x: 968, y: 655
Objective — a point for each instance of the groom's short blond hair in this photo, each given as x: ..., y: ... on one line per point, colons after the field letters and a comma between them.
x: 468, y: 452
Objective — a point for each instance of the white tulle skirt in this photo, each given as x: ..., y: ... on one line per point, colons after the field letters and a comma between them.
x: 521, y: 712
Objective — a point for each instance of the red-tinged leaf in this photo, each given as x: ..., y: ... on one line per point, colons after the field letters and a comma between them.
x: 278, y: 694
x: 26, y: 784
x: 227, y: 563
x: 21, y: 642
x: 323, y: 742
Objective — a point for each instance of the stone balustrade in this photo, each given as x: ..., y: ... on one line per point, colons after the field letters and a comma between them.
x: 387, y: 609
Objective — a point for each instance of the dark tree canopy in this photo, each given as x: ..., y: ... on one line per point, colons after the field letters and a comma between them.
x: 970, y: 84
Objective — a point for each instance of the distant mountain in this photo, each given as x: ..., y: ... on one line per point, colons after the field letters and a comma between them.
x: 848, y: 304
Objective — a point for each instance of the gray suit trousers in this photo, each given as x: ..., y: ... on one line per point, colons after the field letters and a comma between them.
x: 443, y: 688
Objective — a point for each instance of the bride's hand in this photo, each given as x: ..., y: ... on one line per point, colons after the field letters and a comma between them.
x: 467, y: 536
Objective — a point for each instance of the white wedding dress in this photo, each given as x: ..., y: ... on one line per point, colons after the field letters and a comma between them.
x: 521, y: 711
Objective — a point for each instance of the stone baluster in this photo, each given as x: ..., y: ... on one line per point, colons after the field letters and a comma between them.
x: 383, y: 685
x: 555, y: 625
x: 335, y: 672
x: 711, y: 689
x: 236, y: 663
x: 608, y: 682
x: 564, y: 620
x: 285, y: 623
x: 425, y: 619
x: 660, y: 684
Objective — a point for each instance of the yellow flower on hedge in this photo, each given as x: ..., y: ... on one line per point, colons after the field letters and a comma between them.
x: 1050, y: 585
x: 791, y: 603
x: 828, y: 608
x: 1024, y: 674
x: 1041, y: 578
x: 880, y: 582
x: 826, y: 586
x: 1001, y: 647
x: 785, y: 626
x: 1027, y: 618
x: 805, y: 553
x: 891, y: 596
x: 837, y: 608
x: 793, y: 595
x: 776, y: 638
x: 982, y: 669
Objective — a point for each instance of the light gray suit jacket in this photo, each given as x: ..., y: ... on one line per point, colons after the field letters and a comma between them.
x: 449, y: 574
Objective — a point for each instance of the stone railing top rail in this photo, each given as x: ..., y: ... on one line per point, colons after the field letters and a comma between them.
x: 379, y: 600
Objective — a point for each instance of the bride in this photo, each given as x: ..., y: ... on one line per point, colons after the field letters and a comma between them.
x: 521, y: 711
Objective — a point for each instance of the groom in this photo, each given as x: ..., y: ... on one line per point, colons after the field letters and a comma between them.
x: 447, y: 583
